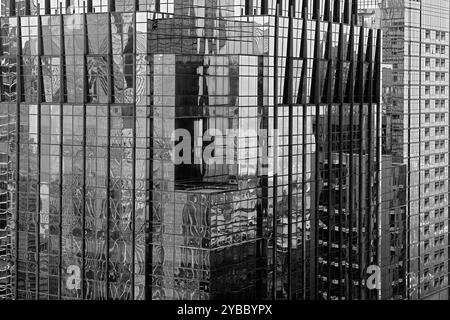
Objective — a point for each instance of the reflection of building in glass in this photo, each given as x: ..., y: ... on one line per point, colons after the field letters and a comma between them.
x: 103, y: 211
x: 7, y: 161
x: 393, y: 230
x: 415, y: 143
x: 8, y: 120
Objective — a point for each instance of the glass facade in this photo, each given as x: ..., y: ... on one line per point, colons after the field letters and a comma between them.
x: 95, y: 207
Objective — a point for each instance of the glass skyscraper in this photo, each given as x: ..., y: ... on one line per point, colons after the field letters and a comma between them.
x: 94, y: 204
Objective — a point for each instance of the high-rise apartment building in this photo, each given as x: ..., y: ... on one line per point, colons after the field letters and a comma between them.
x: 415, y: 97
x: 283, y: 96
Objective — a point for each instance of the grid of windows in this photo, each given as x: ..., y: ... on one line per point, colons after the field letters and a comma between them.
x: 417, y: 134
x: 104, y: 213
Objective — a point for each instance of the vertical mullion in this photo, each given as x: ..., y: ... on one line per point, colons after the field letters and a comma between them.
x: 302, y: 100
x: 149, y: 187
x: 448, y: 182
x: 339, y: 88
x: 360, y: 97
x: 304, y: 168
x: 316, y: 102
x: 39, y: 102
x: 340, y: 205
x: 261, y: 244
x: 377, y: 100
x: 419, y: 273
x: 339, y: 78
x: 368, y: 100
x: 330, y: 209
x: 85, y: 101
x: 133, y: 209
x: 108, y: 150
x: 351, y: 100
x: 290, y: 142
x: 61, y: 163
x: 17, y: 177
x: 329, y: 100
x: 275, y: 176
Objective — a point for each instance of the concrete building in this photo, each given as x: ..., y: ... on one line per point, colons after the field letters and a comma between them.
x: 416, y: 96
